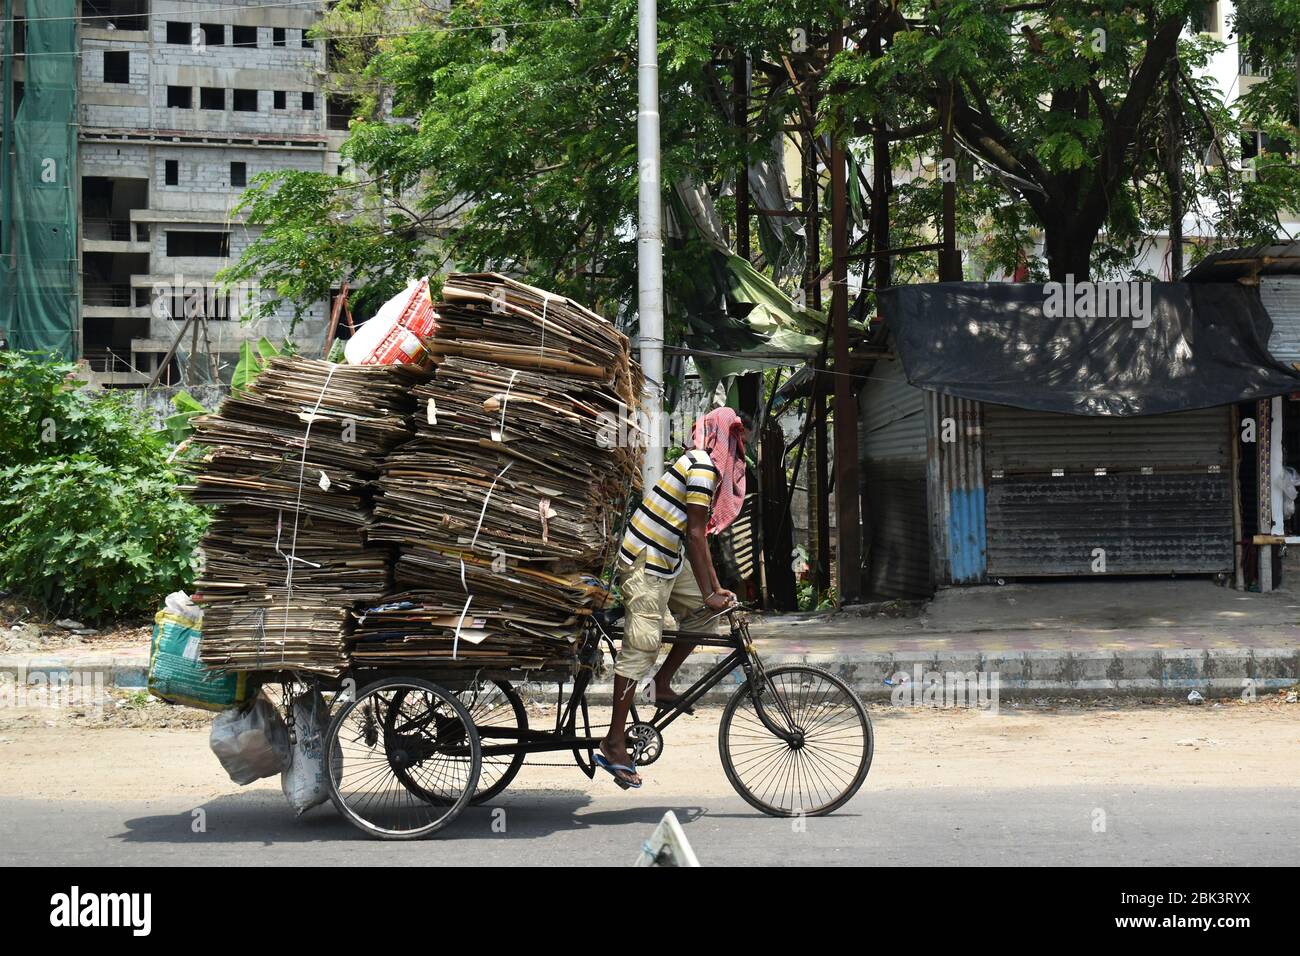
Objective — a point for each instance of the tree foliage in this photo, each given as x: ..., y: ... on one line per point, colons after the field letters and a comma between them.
x: 1067, y: 104
x: 502, y: 134
x: 91, y: 520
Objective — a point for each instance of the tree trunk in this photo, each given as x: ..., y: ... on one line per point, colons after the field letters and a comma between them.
x: 1068, y: 246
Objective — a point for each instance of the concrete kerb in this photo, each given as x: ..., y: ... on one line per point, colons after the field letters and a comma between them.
x: 1216, y: 673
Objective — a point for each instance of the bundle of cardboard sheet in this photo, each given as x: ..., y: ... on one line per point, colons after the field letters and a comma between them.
x: 288, y: 467
x: 505, y: 506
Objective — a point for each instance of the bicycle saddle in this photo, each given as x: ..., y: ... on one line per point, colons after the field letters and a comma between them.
x: 608, y: 617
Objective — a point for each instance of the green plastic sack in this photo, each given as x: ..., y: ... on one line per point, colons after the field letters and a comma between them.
x: 177, y: 676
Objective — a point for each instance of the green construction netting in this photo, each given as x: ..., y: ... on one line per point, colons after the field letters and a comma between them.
x: 42, y: 299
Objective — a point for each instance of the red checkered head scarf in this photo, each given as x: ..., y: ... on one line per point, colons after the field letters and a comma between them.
x: 721, y: 434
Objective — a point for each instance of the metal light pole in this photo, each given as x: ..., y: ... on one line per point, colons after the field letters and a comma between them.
x: 650, y: 265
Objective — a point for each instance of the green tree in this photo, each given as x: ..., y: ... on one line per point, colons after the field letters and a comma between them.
x: 510, y: 138
x: 1067, y: 103
x: 92, y: 521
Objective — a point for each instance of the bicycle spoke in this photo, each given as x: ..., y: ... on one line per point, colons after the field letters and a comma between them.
x: 402, y: 760
x: 820, y: 755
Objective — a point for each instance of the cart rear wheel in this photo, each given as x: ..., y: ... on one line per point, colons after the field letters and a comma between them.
x: 826, y: 756
x: 499, y: 716
x: 496, y: 706
x: 402, y: 727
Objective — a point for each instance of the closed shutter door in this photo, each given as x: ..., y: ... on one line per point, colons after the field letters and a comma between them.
x: 1163, y: 503
x: 1281, y: 297
x: 896, y: 528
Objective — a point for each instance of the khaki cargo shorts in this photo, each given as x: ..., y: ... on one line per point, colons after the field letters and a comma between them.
x: 647, y: 602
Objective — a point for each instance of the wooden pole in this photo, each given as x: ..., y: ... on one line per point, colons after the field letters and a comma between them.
x: 1238, y: 550
x: 819, y: 525
x: 949, y: 255
x: 847, y: 512
x: 740, y: 107
x: 881, y: 176
x: 1174, y: 167
x: 340, y: 302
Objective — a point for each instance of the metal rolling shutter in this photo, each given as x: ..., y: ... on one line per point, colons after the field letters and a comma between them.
x: 896, y: 524
x: 1177, y: 518
x: 1281, y: 297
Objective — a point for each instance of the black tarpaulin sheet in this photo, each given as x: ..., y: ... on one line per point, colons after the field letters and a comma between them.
x: 1041, y: 347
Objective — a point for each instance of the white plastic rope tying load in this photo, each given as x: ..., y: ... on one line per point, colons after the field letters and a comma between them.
x: 544, y: 512
x: 279, y: 526
x: 297, y: 505
x: 546, y: 301
x: 499, y: 433
x: 455, y: 641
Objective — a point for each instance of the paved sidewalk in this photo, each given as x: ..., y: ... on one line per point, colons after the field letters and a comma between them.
x: 1142, y: 637
x: 1152, y: 638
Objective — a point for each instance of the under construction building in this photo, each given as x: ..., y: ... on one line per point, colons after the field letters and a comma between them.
x: 131, y: 127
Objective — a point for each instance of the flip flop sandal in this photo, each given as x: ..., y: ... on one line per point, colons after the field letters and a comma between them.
x: 612, y: 769
x: 662, y: 705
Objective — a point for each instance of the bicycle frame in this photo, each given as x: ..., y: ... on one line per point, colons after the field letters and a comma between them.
x: 563, y: 736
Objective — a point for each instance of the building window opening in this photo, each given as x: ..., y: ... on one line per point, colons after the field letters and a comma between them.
x: 117, y: 66
x: 338, y: 111
x: 214, y: 34
x: 201, y: 245
x: 115, y: 14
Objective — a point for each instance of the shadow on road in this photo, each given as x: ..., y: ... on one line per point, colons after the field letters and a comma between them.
x: 263, y: 818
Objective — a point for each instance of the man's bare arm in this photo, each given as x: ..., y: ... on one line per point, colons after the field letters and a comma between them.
x: 697, y: 552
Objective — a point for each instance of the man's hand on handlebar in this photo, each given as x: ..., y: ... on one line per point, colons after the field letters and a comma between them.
x: 720, y: 600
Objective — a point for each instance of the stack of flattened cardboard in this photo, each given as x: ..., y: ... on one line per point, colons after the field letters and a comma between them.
x: 505, y: 505
x: 288, y: 468
x: 497, y: 319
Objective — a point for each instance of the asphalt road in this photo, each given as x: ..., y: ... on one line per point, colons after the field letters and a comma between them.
x: 1025, y: 827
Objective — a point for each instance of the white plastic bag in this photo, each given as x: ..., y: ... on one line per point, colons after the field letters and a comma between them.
x: 178, y: 602
x: 1289, y: 481
x: 303, y: 781
x: 251, y: 742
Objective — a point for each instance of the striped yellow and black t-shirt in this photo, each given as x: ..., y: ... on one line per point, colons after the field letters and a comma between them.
x: 659, y: 522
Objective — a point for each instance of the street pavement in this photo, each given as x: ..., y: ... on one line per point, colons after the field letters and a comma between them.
x: 1029, y: 826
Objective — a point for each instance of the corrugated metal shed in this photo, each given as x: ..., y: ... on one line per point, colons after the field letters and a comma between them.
x: 892, y: 431
x: 1228, y: 265
x: 1153, y: 494
x: 956, y: 485
x: 1281, y: 297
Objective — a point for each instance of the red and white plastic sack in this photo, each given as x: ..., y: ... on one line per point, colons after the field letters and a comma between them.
x: 394, y: 336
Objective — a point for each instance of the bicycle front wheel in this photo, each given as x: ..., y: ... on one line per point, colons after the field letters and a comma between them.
x: 822, y: 754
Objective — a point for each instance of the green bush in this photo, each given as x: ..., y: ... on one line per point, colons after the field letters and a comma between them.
x: 44, y: 415
x: 92, y: 522
x: 92, y: 540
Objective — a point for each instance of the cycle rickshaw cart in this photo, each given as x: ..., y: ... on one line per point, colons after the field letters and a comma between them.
x: 410, y: 749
